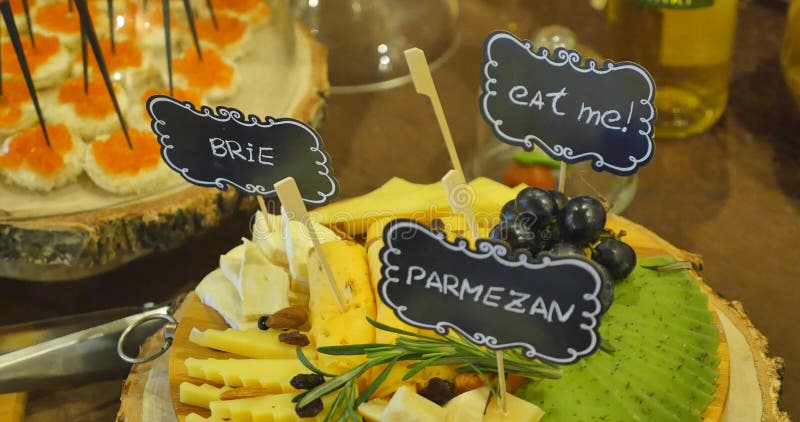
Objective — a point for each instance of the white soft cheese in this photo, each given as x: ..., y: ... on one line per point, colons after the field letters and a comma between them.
x: 262, y: 285
x: 216, y: 292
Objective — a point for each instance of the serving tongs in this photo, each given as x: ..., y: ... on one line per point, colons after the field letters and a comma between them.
x: 99, y: 345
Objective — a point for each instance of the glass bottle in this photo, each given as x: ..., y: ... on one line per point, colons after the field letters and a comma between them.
x: 790, y: 53
x: 686, y: 47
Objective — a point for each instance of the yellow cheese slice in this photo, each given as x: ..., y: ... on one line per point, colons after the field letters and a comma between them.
x: 216, y: 292
x: 194, y: 417
x: 329, y: 326
x: 200, y: 395
x: 372, y: 410
x: 273, y: 408
x: 519, y: 410
x: 408, y: 406
x: 270, y: 374
x: 254, y: 343
x: 468, y: 406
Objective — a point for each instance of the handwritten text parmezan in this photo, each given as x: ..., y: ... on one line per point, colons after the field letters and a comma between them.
x: 493, y: 296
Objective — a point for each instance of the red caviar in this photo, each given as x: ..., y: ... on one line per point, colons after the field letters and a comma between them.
x: 29, y: 148
x: 96, y: 104
x: 46, y: 47
x: 15, y: 93
x: 126, y: 54
x: 241, y: 6
x: 115, y: 156
x: 57, y: 17
x: 210, y: 72
x: 230, y: 30
x: 18, y: 8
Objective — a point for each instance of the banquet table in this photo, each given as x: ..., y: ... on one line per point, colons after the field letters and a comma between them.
x: 731, y: 194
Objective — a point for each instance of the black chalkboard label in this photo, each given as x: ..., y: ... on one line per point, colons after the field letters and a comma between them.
x: 573, y: 111
x: 225, y: 148
x: 548, y: 307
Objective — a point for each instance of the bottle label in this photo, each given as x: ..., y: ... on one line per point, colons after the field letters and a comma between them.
x: 677, y: 4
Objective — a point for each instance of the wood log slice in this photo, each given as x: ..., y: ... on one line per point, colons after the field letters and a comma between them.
x: 80, y: 230
x: 748, y: 387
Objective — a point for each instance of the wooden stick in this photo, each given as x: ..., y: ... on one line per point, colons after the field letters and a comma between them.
x: 460, y: 196
x: 86, y: 22
x: 292, y: 202
x: 454, y: 186
x: 13, y: 33
x: 562, y: 177
x: 190, y: 17
x: 168, y: 40
x: 423, y: 82
x: 263, y: 207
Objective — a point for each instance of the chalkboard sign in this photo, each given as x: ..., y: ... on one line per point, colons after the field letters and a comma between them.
x: 225, y: 148
x: 574, y: 111
x: 548, y: 307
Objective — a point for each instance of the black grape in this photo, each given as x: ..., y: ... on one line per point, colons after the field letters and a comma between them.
x: 582, y: 219
x: 617, y: 257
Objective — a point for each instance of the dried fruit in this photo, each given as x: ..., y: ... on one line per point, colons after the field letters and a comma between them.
x: 467, y: 381
x: 438, y: 391
x: 306, y: 381
x: 288, y: 318
x: 310, y: 410
x: 262, y: 323
x: 295, y: 338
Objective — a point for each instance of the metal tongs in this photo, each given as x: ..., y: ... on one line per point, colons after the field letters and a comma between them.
x: 76, y: 349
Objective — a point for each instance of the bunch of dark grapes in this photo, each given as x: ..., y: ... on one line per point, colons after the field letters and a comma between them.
x: 546, y: 221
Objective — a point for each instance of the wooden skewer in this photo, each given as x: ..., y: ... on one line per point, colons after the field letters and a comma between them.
x: 562, y: 177
x: 292, y: 202
x: 13, y: 33
x: 423, y: 83
x: 454, y: 184
x: 263, y: 206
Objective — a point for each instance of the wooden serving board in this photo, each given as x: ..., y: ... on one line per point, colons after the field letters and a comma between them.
x: 80, y: 230
x: 193, y: 314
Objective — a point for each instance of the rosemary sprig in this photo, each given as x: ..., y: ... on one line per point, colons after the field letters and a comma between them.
x: 425, y: 350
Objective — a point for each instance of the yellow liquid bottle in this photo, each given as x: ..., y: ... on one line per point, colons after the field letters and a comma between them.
x: 790, y: 53
x: 686, y: 49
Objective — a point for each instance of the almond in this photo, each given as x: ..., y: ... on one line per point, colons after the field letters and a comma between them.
x: 245, y: 392
x: 288, y: 318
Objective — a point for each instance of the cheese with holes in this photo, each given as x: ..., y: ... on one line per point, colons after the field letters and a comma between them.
x: 262, y: 285
x: 329, y: 326
x: 254, y: 343
x: 200, y: 395
x: 270, y: 374
x: 277, y: 408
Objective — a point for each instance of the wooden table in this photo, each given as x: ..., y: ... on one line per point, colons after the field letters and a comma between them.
x: 731, y: 194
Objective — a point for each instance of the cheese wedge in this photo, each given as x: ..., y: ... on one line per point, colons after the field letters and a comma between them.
x: 468, y: 406
x: 372, y: 410
x: 271, y: 374
x: 519, y: 410
x: 231, y: 263
x: 329, y: 327
x: 254, y: 343
x: 200, y: 395
x: 262, y: 285
x: 408, y: 406
x: 277, y: 408
x: 216, y: 292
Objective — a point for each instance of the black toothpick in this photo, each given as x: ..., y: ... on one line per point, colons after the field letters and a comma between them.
x: 84, y: 60
x: 168, y: 39
x: 28, y: 21
x: 111, y: 24
x: 190, y: 18
x: 69, y: 5
x: 213, y: 15
x: 13, y: 33
x: 1, y: 67
x: 86, y: 22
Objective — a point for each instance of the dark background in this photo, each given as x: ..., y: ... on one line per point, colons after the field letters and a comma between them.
x: 731, y: 194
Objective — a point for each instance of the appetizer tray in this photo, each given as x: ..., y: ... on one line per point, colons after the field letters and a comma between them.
x: 748, y: 385
x: 80, y: 230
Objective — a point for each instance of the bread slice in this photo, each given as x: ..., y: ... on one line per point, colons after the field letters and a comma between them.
x: 25, y: 158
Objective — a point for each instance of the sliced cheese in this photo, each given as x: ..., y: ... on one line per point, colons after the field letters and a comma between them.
x: 216, y: 292
x: 271, y: 374
x: 329, y: 326
x: 277, y: 408
x: 262, y: 285
x: 194, y: 417
x: 468, y: 406
x: 519, y: 410
x: 372, y: 410
x: 408, y: 406
x: 200, y: 395
x: 253, y: 343
x: 231, y: 263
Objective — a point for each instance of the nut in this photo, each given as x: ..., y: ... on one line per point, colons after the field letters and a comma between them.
x: 288, y: 318
x: 466, y: 381
x: 245, y: 392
